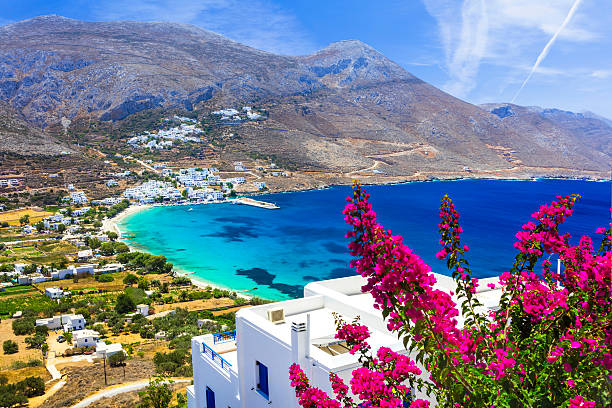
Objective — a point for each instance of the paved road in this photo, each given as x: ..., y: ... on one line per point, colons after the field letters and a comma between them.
x: 111, y: 392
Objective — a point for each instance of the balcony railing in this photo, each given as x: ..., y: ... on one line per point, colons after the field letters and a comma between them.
x: 224, y: 337
x: 212, y: 354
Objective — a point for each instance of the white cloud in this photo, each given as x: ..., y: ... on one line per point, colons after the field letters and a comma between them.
x: 602, y: 73
x: 500, y: 32
x: 259, y: 23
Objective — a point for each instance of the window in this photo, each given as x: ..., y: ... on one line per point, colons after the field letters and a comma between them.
x: 262, y: 379
x: 210, y: 398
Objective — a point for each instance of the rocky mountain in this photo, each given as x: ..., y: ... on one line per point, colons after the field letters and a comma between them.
x: 345, y: 108
x: 590, y: 129
x: 17, y: 136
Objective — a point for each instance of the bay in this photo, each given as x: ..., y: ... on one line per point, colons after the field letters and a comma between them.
x: 279, y: 251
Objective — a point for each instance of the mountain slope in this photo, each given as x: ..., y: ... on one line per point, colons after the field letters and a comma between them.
x: 343, y: 108
x: 18, y: 137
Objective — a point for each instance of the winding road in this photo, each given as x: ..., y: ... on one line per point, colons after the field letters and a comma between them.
x: 116, y: 390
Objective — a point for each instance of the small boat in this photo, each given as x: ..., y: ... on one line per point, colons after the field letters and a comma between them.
x: 190, y: 209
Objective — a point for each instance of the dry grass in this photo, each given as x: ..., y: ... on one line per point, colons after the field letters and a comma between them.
x: 24, y: 354
x: 12, y: 217
x: 18, y: 375
x: 232, y: 309
x: 83, y: 381
x: 191, y: 305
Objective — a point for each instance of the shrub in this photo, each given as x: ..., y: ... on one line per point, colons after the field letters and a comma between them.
x: 104, y: 278
x: 10, y: 347
x: 124, y: 304
x: 130, y: 279
x: 41, y: 331
x: 117, y: 359
x: 23, y: 326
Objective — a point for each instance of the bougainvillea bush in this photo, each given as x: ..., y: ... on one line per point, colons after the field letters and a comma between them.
x: 548, y: 345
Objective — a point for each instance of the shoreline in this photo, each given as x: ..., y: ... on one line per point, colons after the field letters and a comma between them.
x: 112, y: 224
x: 365, y: 182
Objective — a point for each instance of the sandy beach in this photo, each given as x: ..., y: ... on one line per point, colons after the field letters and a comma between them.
x: 111, y: 224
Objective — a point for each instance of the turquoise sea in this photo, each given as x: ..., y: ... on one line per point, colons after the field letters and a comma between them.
x: 279, y: 251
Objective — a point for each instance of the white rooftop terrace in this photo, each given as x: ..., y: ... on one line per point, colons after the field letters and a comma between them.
x: 321, y: 301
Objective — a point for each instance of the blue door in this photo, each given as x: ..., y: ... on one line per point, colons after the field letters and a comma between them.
x: 210, y: 398
x: 263, y: 380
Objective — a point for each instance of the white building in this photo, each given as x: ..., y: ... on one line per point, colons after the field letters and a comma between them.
x: 68, y: 322
x: 76, y: 197
x: 142, y: 309
x: 259, y: 184
x: 54, y: 293
x: 249, y: 368
x: 104, y: 350
x: 62, y: 274
x: 85, y: 338
x: 85, y: 255
x: 109, y: 268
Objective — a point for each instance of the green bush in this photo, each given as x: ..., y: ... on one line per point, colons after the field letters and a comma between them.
x: 10, y: 347
x: 23, y: 326
x: 104, y: 278
x: 117, y: 359
x: 124, y: 304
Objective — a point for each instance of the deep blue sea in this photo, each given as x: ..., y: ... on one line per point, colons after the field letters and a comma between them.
x: 279, y: 251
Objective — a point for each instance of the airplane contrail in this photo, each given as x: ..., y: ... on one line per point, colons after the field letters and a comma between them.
x: 546, y: 49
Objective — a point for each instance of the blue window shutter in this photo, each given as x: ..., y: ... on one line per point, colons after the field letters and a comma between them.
x: 210, y: 398
x: 263, y: 379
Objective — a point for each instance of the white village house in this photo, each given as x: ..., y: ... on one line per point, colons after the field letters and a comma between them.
x: 68, y: 322
x: 85, y: 338
x: 54, y: 292
x: 249, y: 367
x: 104, y: 350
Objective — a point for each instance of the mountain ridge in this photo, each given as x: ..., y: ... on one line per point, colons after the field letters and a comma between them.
x: 344, y: 107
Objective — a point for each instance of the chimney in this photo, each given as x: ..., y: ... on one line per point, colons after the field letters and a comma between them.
x: 300, y: 340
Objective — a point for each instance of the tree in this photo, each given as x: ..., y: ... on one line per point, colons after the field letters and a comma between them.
x: 41, y: 331
x: 124, y: 304
x: 130, y: 279
x: 157, y: 394
x: 24, y: 219
x: 32, y: 386
x: 117, y: 359
x: 61, y: 228
x: 143, y: 283
x: 112, y: 235
x: 40, y: 227
x: 23, y: 326
x: 94, y: 243
x: 36, y: 341
x: 548, y: 344
x: 10, y: 347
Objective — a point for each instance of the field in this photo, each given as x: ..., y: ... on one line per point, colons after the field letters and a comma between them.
x: 24, y: 300
x: 12, y: 217
x: 24, y: 354
x: 26, y: 251
x: 17, y: 291
x: 40, y: 253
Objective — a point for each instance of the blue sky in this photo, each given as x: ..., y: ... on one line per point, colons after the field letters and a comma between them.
x: 478, y: 50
